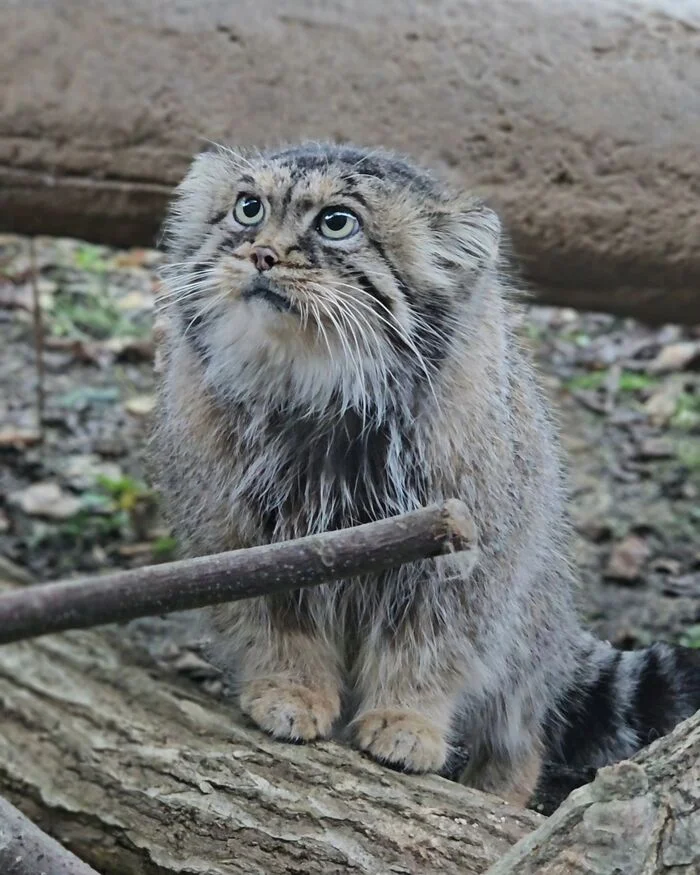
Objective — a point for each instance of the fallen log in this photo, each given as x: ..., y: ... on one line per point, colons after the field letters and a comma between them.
x: 578, y: 121
x: 237, y: 574
x: 638, y: 817
x: 138, y: 772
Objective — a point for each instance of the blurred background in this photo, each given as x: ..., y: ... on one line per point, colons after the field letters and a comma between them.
x: 578, y: 121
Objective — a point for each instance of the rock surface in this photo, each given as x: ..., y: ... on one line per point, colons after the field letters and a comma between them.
x: 578, y: 121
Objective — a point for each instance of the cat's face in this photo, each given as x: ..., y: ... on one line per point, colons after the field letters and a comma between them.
x: 324, y: 269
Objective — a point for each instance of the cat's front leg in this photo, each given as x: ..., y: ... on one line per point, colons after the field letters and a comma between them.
x: 408, y: 678
x: 288, y: 674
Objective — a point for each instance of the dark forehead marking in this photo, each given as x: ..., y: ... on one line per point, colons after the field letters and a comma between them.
x: 305, y: 203
x: 355, y: 195
x: 286, y: 199
x: 305, y: 162
x: 358, y: 163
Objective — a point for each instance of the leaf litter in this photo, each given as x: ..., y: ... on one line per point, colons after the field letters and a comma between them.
x: 627, y: 396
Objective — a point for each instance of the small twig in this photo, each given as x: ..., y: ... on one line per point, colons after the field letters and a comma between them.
x: 240, y: 574
x: 26, y: 850
x: 38, y: 339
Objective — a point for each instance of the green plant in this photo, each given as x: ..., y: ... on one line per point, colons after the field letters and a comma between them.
x: 91, y: 258
x: 688, y: 453
x: 691, y: 637
x: 164, y: 548
x: 631, y: 381
x: 628, y: 381
x: 593, y: 380
x: 88, y: 315
x: 687, y: 413
x: 126, y: 491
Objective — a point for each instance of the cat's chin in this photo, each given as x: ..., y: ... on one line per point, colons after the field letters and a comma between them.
x: 263, y: 291
x: 258, y: 354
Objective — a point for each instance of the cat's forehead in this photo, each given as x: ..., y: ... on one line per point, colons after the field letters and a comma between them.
x: 279, y: 180
x: 321, y: 174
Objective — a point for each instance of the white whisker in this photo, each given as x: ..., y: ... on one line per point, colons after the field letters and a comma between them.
x: 396, y: 326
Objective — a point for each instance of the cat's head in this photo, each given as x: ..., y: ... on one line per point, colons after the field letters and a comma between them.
x: 323, y: 271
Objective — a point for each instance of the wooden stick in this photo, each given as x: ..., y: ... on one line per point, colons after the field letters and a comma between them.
x: 38, y: 340
x: 240, y: 574
x: 26, y: 850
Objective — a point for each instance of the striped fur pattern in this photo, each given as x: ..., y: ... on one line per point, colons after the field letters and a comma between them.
x: 311, y: 383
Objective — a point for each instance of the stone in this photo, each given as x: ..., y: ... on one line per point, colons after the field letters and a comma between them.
x: 577, y: 121
x: 140, y: 405
x: 655, y: 448
x: 85, y: 471
x: 19, y: 439
x: 627, y: 559
x: 11, y: 573
x: 46, y: 500
x: 675, y: 357
x: 663, y: 402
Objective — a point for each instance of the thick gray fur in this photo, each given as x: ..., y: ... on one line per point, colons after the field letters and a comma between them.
x: 391, y: 378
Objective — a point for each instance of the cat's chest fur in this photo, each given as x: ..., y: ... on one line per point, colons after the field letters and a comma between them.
x: 301, y: 472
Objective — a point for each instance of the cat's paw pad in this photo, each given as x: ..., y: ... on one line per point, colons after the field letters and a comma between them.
x: 290, y: 711
x: 401, y: 739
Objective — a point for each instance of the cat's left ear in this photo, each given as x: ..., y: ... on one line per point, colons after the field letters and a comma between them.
x: 470, y: 237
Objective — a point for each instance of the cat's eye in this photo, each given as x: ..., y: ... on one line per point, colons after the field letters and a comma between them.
x: 249, y: 210
x: 337, y: 224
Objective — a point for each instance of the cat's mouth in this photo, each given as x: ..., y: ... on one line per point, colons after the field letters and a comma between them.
x: 265, y: 290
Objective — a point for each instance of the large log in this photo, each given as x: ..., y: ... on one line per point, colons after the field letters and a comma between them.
x: 141, y: 774
x: 578, y: 120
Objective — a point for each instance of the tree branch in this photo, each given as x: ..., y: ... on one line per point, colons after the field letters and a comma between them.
x: 26, y: 850
x: 239, y: 574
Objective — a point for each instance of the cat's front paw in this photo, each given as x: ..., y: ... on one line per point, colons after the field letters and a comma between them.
x: 290, y: 711
x: 401, y: 739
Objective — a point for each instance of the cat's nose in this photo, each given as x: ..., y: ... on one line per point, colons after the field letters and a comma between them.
x: 264, y: 257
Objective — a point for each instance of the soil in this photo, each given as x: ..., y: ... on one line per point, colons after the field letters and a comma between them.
x: 74, y: 494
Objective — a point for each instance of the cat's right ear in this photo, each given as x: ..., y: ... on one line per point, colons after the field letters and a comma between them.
x: 207, y: 165
x: 194, y: 201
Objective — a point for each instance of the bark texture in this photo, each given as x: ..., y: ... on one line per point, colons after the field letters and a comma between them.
x: 577, y: 120
x: 141, y: 774
x: 639, y: 817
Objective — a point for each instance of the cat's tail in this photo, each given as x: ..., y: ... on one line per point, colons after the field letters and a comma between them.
x: 618, y: 702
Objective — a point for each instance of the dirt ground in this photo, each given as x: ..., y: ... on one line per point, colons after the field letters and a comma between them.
x: 628, y: 398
